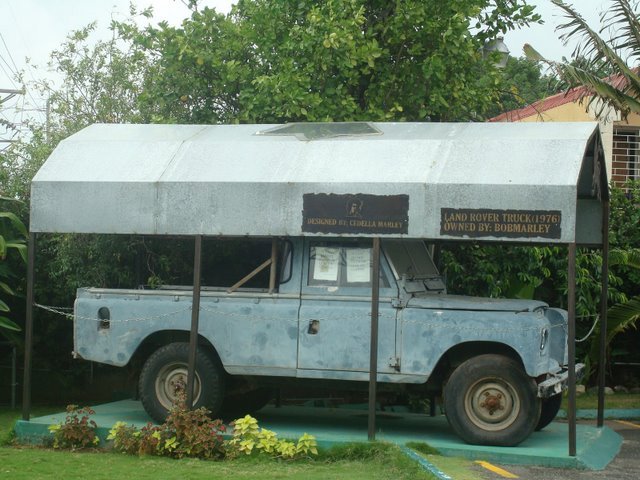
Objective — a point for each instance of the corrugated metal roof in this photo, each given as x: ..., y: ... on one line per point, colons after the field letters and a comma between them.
x: 227, y: 180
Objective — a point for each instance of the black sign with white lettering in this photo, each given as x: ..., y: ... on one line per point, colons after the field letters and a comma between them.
x: 355, y: 213
x: 482, y: 222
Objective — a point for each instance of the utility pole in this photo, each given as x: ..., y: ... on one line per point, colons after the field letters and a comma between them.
x: 8, y: 94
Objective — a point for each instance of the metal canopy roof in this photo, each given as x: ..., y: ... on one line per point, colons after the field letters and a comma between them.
x: 516, y: 182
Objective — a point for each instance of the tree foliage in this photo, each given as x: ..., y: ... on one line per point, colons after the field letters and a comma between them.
x: 13, y: 235
x: 102, y: 82
x: 618, y: 54
x: 523, y: 84
x: 335, y: 60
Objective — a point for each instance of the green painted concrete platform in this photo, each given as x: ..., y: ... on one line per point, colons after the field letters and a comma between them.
x: 596, y: 447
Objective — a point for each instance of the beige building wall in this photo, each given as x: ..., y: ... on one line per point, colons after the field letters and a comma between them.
x: 577, y: 112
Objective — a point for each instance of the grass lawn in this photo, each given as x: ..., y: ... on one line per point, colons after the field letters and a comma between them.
x: 36, y: 463
x: 589, y: 401
x: 358, y: 461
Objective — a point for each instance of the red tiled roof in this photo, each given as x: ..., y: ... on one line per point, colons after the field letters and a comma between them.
x: 541, y: 106
x: 573, y: 95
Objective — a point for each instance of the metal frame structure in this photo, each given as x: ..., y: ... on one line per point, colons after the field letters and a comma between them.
x: 254, y: 180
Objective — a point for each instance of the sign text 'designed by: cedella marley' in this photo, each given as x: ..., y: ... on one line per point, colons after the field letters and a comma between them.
x: 355, y: 213
x: 483, y: 222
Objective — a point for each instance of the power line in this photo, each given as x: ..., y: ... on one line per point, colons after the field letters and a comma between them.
x: 28, y: 67
x: 9, y: 74
x: 11, y: 128
x: 9, y: 52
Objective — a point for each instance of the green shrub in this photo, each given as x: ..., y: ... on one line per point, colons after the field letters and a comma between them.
x: 185, y: 433
x: 125, y: 438
x: 248, y: 438
x: 78, y: 430
x: 192, y: 433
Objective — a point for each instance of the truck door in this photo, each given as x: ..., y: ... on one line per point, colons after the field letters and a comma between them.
x: 335, y: 313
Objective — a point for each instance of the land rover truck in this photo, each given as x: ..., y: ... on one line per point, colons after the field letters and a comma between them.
x: 499, y: 365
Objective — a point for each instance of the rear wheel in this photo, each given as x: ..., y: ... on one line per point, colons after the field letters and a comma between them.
x: 165, y: 373
x: 489, y: 400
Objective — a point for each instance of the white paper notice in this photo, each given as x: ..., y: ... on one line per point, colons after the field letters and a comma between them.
x: 358, y: 265
x: 326, y: 263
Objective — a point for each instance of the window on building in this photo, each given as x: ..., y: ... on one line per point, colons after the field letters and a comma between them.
x: 625, y: 162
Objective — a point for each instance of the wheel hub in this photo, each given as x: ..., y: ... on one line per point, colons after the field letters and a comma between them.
x: 492, y: 404
x: 171, y: 380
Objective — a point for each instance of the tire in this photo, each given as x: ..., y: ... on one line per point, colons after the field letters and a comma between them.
x: 550, y: 407
x: 489, y: 400
x: 241, y: 404
x: 166, y: 369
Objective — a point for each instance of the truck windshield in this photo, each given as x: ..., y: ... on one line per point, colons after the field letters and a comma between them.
x: 341, y: 265
x: 412, y: 263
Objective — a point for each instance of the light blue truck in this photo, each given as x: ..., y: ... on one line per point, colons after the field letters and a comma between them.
x: 498, y: 364
x: 326, y: 191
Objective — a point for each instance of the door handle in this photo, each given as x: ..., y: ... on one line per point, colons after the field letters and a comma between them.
x: 314, y: 327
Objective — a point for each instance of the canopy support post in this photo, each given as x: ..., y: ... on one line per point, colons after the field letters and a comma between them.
x: 28, y: 329
x: 195, y: 318
x: 603, y: 311
x: 571, y: 345
x: 373, y: 360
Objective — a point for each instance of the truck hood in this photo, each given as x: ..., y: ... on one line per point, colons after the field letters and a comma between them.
x: 459, y: 302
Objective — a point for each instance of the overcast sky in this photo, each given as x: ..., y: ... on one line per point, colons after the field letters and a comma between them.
x: 33, y: 28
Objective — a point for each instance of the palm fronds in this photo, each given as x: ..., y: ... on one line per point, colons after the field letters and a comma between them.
x: 620, y: 91
x: 629, y: 257
x: 622, y: 316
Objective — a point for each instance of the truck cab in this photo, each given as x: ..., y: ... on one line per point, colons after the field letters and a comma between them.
x: 499, y: 364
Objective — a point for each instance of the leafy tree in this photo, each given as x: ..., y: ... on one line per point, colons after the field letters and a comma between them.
x: 12, y: 238
x: 279, y: 61
x: 595, y: 53
x: 523, y: 84
x: 101, y: 83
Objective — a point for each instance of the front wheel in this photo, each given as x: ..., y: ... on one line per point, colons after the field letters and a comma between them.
x: 489, y: 400
x: 165, y: 373
x: 550, y: 408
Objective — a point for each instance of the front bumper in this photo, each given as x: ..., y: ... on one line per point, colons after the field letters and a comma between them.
x: 557, y: 383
